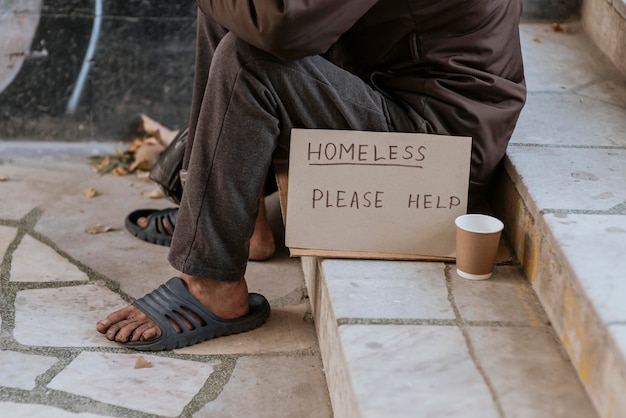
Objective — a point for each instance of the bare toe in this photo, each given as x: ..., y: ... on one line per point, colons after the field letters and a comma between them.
x: 128, y: 324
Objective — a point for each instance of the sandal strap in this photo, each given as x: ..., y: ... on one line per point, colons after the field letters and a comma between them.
x: 164, y: 220
x: 172, y: 301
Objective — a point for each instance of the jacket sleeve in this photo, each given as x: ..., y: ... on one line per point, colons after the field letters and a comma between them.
x: 288, y: 29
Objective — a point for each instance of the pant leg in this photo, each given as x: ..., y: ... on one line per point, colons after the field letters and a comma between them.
x: 209, y: 35
x: 251, y: 102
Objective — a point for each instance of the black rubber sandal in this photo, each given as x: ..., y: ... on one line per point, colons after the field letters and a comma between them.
x: 173, y: 302
x: 155, y: 231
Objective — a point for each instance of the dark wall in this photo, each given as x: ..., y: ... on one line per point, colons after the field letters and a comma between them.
x: 557, y: 10
x: 143, y: 63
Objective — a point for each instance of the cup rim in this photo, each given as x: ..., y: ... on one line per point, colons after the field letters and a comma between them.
x: 489, y: 224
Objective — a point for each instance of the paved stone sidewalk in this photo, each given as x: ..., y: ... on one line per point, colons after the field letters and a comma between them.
x: 56, y: 281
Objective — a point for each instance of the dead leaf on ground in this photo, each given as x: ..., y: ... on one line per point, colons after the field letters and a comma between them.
x: 4, y: 178
x: 98, y: 229
x: 154, y: 194
x: 147, y: 154
x: 557, y: 27
x: 538, y: 40
x: 155, y: 129
x: 142, y: 363
x: 91, y: 192
x: 149, y: 139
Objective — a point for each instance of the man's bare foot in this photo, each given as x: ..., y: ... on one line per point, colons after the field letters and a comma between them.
x: 228, y: 300
x: 262, y: 243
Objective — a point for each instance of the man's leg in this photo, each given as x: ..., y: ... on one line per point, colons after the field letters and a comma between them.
x: 209, y: 35
x: 251, y: 102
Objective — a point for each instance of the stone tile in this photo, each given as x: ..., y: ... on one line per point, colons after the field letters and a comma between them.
x: 387, y: 289
x: 547, y: 118
x: 506, y: 297
x: 268, y: 387
x: 139, y: 267
x: 19, y: 370
x: 286, y: 330
x: 30, y: 186
x: 572, y: 178
x: 619, y: 333
x: 594, y: 247
x: 163, y: 388
x: 530, y: 373
x: 19, y: 410
x: 50, y: 266
x: 433, y: 374
x: 280, y: 279
x: 7, y: 235
x: 611, y: 91
x: 560, y: 61
x: 64, y: 317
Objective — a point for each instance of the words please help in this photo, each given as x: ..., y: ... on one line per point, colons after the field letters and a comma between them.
x: 376, y: 192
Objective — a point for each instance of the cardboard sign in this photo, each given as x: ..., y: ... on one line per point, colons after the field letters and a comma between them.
x: 381, y: 192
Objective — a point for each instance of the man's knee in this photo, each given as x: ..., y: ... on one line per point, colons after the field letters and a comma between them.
x: 232, y: 52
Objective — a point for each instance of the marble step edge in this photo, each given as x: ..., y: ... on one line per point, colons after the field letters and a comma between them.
x: 586, y: 338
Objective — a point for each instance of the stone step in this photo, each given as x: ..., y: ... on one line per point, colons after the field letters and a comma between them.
x: 542, y: 338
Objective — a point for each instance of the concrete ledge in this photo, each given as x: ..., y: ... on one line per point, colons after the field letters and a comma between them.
x: 563, y: 200
x: 605, y: 22
x: 589, y: 340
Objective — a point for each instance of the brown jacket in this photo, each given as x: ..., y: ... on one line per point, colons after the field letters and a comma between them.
x: 455, y: 64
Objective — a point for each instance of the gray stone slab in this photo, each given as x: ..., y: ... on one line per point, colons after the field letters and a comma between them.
x: 594, y: 246
x: 138, y: 266
x: 617, y: 373
x: 20, y: 410
x: 611, y: 91
x: 547, y: 120
x: 561, y: 61
x: 34, y: 261
x: 29, y: 186
x: 530, y: 373
x: 163, y: 386
x: 20, y: 370
x: 506, y: 297
x: 269, y: 387
x: 619, y: 333
x: 371, y: 289
x: 64, y: 317
x: 7, y: 235
x: 571, y: 178
x: 286, y: 330
x: 413, y: 371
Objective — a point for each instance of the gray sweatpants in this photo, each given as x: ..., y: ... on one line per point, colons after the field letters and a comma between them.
x: 245, y: 104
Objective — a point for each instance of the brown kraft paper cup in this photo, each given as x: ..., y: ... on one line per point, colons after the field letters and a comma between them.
x: 477, y: 240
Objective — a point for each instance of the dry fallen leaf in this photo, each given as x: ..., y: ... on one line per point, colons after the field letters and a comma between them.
x: 134, y: 146
x: 120, y: 171
x: 557, y: 27
x: 142, y: 363
x: 154, y: 194
x: 91, y: 192
x: 155, y: 129
x: 147, y: 154
x: 98, y: 229
x: 538, y: 40
x: 4, y: 178
x: 148, y: 141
